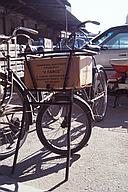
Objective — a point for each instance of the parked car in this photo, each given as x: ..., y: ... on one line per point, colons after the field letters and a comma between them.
x: 114, y: 44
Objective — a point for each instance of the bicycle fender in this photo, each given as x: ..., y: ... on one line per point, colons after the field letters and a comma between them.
x: 87, y: 105
x: 28, y: 99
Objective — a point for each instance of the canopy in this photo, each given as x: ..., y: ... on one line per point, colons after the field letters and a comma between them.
x: 52, y: 12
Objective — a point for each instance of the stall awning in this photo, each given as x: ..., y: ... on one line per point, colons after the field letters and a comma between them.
x: 52, y: 12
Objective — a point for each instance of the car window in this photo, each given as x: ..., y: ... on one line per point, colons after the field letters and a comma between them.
x: 104, y: 37
x: 119, y: 41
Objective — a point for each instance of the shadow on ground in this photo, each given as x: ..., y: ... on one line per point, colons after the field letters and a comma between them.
x: 39, y: 164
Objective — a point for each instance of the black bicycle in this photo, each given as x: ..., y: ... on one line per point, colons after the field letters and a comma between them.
x: 57, y: 110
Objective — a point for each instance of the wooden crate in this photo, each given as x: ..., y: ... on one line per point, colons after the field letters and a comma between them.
x: 49, y: 73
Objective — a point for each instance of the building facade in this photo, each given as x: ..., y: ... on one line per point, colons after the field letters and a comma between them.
x: 48, y: 17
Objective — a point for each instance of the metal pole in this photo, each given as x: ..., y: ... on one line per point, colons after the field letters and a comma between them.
x: 66, y: 22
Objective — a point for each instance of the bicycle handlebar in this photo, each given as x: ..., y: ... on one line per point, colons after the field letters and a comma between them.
x: 93, y: 22
x: 88, y: 21
x: 32, y: 31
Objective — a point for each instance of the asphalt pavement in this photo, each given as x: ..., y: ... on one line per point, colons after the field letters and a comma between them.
x: 101, y: 166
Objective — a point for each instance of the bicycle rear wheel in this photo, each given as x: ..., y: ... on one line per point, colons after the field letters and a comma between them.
x: 99, y: 93
x: 51, y: 126
x: 10, y: 118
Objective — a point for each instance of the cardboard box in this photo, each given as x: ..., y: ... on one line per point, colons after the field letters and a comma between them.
x: 49, y: 73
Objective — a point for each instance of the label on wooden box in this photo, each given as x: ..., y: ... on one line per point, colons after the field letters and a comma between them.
x: 49, y: 73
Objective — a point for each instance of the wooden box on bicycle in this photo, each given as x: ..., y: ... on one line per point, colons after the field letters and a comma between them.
x: 49, y: 73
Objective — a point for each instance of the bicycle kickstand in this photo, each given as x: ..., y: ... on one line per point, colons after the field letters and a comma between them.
x: 68, y: 141
x: 18, y: 142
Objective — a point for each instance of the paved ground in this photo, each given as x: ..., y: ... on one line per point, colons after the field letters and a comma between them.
x: 102, y: 166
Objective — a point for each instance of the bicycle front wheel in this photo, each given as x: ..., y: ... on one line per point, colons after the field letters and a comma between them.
x: 10, y: 118
x: 51, y: 126
x: 99, y: 93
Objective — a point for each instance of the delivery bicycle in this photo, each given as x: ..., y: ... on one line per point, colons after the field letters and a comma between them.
x: 63, y: 118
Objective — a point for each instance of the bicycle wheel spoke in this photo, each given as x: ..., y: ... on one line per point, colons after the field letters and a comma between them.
x: 10, y: 122
x: 54, y: 135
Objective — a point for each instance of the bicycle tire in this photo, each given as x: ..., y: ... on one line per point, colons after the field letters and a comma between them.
x: 10, y: 121
x: 53, y: 122
x: 99, y: 93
